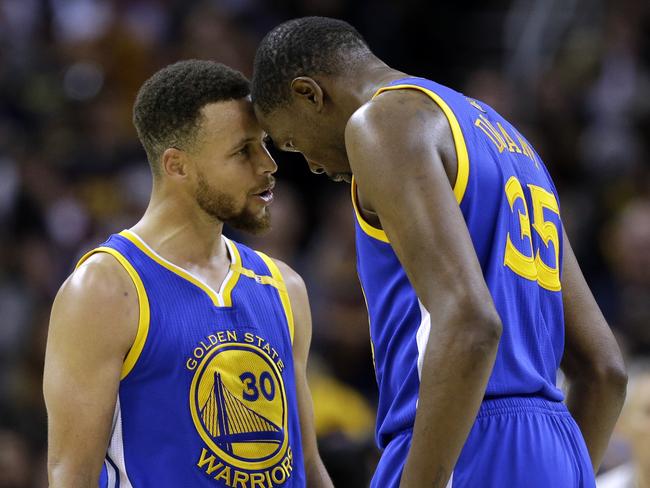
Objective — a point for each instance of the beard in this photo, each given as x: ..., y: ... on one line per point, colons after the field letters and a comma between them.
x: 223, y: 208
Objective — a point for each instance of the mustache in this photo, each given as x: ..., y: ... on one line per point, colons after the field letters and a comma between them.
x: 269, y: 185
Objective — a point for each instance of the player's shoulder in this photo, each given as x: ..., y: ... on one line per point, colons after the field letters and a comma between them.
x: 292, y: 279
x: 98, y: 302
x: 99, y: 282
x: 395, y: 113
x: 285, y: 270
x: 100, y: 273
x: 299, y: 305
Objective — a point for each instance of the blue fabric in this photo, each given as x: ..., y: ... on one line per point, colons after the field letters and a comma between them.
x: 233, y: 364
x: 515, y: 443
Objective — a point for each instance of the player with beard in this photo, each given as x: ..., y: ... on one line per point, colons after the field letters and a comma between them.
x: 177, y: 357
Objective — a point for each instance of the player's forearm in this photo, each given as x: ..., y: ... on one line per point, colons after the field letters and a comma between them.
x: 72, y: 462
x: 455, y: 373
x: 595, y: 403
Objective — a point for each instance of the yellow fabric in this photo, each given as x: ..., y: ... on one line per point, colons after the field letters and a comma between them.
x: 282, y: 290
x: 143, y: 300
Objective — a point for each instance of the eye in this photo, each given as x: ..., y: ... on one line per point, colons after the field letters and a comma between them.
x: 244, y: 151
x: 288, y: 146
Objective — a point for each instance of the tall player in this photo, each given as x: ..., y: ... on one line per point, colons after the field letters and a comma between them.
x: 473, y: 292
x: 176, y: 357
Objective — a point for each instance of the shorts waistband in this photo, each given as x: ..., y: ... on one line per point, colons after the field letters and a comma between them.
x: 513, y: 405
x: 494, y: 407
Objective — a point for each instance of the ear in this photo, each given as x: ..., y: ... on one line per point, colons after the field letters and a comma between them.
x: 173, y: 163
x: 307, y: 89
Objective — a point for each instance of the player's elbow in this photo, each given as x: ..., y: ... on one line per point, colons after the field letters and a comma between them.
x: 488, y: 333
x: 606, y: 372
x: 480, y: 327
x: 611, y: 373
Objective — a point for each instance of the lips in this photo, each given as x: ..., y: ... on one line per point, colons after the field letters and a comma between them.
x: 266, y: 196
x: 266, y: 193
x: 268, y: 187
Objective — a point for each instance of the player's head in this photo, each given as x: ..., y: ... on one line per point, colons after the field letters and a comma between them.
x: 296, y: 66
x: 198, y: 128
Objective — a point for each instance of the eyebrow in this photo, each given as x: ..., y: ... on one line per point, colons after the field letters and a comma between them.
x: 243, y: 142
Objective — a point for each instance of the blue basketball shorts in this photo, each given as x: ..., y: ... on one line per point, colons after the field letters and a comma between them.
x: 517, y: 442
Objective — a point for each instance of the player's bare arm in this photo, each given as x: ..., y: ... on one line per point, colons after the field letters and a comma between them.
x: 402, y: 177
x: 315, y: 471
x: 93, y: 324
x: 592, y: 361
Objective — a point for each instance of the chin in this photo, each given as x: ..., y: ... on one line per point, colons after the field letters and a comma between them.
x: 347, y: 177
x: 253, y: 224
x: 257, y: 231
x: 340, y: 177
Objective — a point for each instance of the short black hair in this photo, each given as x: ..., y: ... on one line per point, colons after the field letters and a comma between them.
x: 167, y: 109
x: 307, y: 46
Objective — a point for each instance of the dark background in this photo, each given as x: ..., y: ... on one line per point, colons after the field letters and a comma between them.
x: 572, y: 75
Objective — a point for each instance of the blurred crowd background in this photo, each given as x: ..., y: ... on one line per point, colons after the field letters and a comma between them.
x: 573, y: 75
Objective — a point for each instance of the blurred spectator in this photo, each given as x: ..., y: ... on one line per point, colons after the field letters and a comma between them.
x: 633, y: 427
x: 627, y: 246
x: 14, y: 460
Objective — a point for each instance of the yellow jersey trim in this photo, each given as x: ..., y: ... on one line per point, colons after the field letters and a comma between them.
x: 144, y: 314
x: 264, y: 280
x: 462, y: 175
x: 282, y: 290
x: 222, y: 298
x: 372, y: 345
x: 375, y: 232
x: 233, y: 273
x: 249, y: 273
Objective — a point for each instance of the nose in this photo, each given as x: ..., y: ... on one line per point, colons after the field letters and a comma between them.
x: 266, y: 163
x: 315, y: 168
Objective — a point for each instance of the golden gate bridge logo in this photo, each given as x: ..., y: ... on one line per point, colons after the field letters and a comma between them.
x: 229, y: 420
x: 239, y: 406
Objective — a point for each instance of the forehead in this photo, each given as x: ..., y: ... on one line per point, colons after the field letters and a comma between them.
x: 229, y: 120
x: 278, y: 123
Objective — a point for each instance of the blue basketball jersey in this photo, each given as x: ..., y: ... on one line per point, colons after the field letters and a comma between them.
x: 207, y: 395
x: 511, y: 209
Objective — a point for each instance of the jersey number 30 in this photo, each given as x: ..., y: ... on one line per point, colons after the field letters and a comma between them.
x: 529, y: 264
x: 252, y: 391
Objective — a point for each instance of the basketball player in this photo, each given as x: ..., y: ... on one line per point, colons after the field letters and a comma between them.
x: 473, y: 292
x: 176, y: 357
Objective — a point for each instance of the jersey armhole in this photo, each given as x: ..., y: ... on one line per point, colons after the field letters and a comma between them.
x: 372, y: 231
x: 282, y: 291
x: 462, y: 156
x: 143, y: 302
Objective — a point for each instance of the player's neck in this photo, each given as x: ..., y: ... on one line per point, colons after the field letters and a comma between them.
x: 370, y: 78
x: 179, y: 231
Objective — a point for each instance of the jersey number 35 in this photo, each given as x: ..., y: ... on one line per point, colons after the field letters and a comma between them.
x: 526, y: 260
